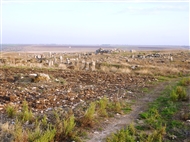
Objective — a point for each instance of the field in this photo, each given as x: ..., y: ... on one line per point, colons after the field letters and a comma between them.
x: 94, y: 95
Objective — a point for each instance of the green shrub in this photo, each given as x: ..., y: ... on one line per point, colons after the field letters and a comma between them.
x: 25, y: 114
x: 6, y: 132
x: 11, y: 111
x: 102, y: 107
x: 146, y: 90
x: 121, y: 136
x: 88, y: 118
x: 32, y: 136
x: 68, y: 126
x: 132, y: 129
x: 44, y: 122
x: 178, y: 93
x: 184, y: 82
x: 144, y: 115
x: 181, y: 92
x: 20, y: 135
x: 65, y: 129
x: 47, y: 136
x: 118, y: 107
x: 173, y: 95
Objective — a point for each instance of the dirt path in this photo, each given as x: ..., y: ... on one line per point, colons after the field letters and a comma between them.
x: 119, y: 122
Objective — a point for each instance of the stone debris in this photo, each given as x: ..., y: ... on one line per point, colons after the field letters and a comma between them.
x: 171, y: 59
x: 100, y: 50
x: 44, y: 93
x: 78, y: 61
x: 81, y: 77
x: 115, y: 50
x: 173, y: 137
x: 41, y: 77
x: 133, y: 51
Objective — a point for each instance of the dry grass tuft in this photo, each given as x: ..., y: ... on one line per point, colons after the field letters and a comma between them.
x: 124, y: 70
x: 6, y: 132
x: 144, y: 71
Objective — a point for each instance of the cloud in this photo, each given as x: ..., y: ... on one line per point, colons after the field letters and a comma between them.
x: 153, y: 8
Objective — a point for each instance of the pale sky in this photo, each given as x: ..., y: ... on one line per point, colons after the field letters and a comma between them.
x: 130, y: 23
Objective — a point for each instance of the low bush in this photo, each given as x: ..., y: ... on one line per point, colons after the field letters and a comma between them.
x: 102, y: 103
x: 184, y: 81
x: 68, y: 126
x: 173, y: 96
x: 178, y: 94
x: 11, y: 111
x: 89, y: 117
x: 181, y: 92
x: 25, y: 114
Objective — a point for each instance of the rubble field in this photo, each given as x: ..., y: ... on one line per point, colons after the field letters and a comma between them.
x: 51, y: 80
x: 66, y: 88
x: 71, y: 81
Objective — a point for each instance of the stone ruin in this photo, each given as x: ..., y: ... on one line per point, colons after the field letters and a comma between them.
x: 89, y: 61
x: 115, y: 50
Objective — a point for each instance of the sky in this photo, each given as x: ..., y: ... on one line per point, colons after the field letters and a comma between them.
x: 95, y: 22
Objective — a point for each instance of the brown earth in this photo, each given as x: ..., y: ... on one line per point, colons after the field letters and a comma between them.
x: 67, y: 88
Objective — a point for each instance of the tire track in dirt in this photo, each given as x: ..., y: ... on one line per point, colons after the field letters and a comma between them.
x: 121, y: 121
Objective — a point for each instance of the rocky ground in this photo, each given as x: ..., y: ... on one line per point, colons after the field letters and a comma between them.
x: 71, y: 81
x: 66, y: 89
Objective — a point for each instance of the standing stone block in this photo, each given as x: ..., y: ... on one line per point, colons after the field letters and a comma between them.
x: 50, y: 54
x: 92, y: 66
x: 171, y: 59
x: 61, y: 59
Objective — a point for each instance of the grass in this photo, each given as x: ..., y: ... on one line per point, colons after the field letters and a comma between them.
x: 47, y: 136
x: 178, y: 93
x: 126, y: 109
x: 112, y: 65
x: 130, y: 134
x: 185, y: 81
x: 32, y: 136
x: 181, y: 93
x: 163, y: 78
x: 44, y: 122
x: 39, y: 136
x: 89, y: 117
x: 102, y: 103
x: 11, y: 111
x: 25, y: 114
x: 20, y: 135
x: 68, y: 126
x: 146, y: 90
x: 6, y: 132
x: 159, y: 122
x: 62, y: 81
x: 116, y: 107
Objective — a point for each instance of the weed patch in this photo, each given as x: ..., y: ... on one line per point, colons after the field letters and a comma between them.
x: 25, y: 114
x: 102, y: 103
x: 89, y: 118
x: 158, y: 121
x: 184, y: 81
x: 11, y: 111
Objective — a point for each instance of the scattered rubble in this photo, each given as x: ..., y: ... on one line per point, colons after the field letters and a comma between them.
x: 77, y: 87
x: 66, y: 80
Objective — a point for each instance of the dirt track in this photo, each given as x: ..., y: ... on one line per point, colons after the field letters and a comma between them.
x: 121, y: 121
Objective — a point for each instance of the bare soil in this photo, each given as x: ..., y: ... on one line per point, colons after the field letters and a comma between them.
x: 77, y: 88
